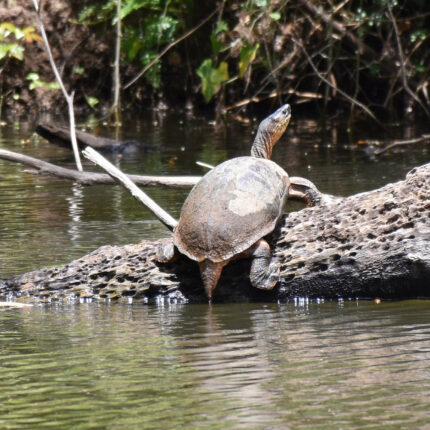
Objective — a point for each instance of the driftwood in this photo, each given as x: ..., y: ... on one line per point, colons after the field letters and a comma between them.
x: 93, y: 178
x: 374, y: 244
x: 61, y: 136
x: 135, y: 191
x: 181, y: 182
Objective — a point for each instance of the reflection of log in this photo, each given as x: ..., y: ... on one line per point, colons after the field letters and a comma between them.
x: 367, y: 245
x: 61, y: 136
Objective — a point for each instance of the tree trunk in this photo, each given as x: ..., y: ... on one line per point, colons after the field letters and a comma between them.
x: 374, y: 244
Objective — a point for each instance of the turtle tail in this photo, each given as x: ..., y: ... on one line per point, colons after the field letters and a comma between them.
x: 210, y: 273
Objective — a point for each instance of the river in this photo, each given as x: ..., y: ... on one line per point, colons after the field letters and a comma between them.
x: 301, y: 365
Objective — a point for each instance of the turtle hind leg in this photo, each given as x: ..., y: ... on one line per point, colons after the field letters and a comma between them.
x: 167, y: 252
x: 264, y: 272
x: 210, y: 273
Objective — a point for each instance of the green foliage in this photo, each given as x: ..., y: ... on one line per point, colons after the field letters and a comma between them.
x: 141, y: 42
x: 147, y: 25
x: 91, y: 101
x: 12, y: 39
x: 247, y: 56
x: 36, y: 82
x: 212, y: 77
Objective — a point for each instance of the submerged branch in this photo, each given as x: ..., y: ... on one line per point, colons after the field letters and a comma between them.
x: 423, y: 138
x: 91, y: 178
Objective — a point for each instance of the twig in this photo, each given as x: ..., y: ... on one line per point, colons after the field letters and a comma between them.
x: 116, y: 75
x: 67, y: 96
x: 422, y: 138
x: 135, y: 191
x: 168, y: 48
x: 341, y: 92
x: 402, y: 62
x: 205, y: 165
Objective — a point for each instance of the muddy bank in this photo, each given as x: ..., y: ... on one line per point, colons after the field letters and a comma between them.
x: 82, y: 57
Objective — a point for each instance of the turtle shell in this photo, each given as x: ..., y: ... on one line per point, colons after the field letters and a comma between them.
x: 230, y: 208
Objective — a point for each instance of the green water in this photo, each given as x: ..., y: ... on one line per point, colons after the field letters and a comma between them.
x: 325, y: 365
x: 262, y: 366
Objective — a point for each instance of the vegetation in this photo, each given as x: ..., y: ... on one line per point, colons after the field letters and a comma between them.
x: 364, y: 57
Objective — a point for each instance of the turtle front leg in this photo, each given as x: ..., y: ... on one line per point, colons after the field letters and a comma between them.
x: 305, y: 190
x: 264, y: 271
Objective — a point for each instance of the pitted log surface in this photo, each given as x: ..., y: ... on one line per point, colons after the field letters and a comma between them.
x: 367, y: 245
x: 375, y: 243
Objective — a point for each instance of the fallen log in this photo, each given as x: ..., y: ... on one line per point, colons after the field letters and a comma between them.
x: 373, y: 244
x: 61, y: 136
x: 93, y: 178
x: 297, y: 192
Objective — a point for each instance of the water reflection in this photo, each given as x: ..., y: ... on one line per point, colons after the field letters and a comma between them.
x: 359, y: 365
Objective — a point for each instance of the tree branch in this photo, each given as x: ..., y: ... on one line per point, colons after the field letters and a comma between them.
x: 67, y: 96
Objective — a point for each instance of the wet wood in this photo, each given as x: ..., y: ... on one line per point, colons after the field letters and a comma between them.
x: 374, y: 244
x: 61, y: 136
x: 92, y: 178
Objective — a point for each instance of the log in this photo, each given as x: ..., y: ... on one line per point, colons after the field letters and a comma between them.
x: 92, y: 178
x: 308, y: 193
x: 373, y: 244
x: 61, y: 136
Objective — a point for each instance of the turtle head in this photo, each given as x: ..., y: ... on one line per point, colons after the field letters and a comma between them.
x: 269, y: 132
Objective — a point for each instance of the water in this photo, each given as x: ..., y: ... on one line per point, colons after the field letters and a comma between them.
x: 325, y: 365
x: 261, y: 366
x: 48, y: 221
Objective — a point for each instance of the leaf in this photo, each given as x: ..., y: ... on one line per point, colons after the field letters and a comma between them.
x: 130, y: 6
x: 276, y: 16
x: 7, y: 28
x: 37, y: 83
x: 212, y: 77
x: 247, y: 56
x: 222, y: 26
x: 216, y: 44
x: 31, y: 35
x: 11, y: 50
x: 16, y: 51
x: 92, y: 101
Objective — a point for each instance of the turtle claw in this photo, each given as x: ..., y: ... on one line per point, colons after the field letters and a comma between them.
x: 271, y: 277
x: 266, y: 278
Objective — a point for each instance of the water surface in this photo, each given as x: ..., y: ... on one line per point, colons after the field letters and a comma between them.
x: 300, y: 365
x: 48, y: 221
x: 260, y: 366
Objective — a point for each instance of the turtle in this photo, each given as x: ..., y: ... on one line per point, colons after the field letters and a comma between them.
x: 232, y: 208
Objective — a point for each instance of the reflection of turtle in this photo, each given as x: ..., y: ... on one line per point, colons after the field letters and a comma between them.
x: 230, y: 210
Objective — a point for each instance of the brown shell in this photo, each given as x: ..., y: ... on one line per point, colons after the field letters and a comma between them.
x: 230, y: 208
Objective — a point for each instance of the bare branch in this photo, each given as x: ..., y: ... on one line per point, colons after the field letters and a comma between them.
x: 127, y: 183
x: 67, y: 96
x: 423, y: 138
x: 403, y: 61
x: 341, y: 92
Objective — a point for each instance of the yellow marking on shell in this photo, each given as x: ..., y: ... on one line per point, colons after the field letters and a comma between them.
x: 241, y: 204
